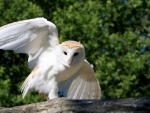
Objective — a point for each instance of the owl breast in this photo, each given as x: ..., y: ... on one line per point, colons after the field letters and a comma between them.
x: 50, y: 71
x: 65, y: 72
x: 51, y: 68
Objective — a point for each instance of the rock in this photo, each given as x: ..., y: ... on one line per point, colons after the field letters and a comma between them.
x: 63, y: 105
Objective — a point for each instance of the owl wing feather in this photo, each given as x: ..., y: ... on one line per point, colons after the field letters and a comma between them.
x: 31, y: 36
x: 81, y: 85
x: 28, y: 82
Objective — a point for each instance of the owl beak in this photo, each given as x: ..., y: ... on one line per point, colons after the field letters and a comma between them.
x: 68, y: 64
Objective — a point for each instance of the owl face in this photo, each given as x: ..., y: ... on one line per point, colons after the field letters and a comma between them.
x: 70, y: 53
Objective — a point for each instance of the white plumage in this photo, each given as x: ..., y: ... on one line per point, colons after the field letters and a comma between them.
x: 56, y: 67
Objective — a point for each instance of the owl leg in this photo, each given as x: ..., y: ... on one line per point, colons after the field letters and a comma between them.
x: 47, y: 98
x: 53, y: 93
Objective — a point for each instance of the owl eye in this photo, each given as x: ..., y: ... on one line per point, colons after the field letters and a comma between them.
x: 65, y: 53
x: 75, y: 54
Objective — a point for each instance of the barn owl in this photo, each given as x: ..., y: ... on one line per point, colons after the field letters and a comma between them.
x: 56, y: 67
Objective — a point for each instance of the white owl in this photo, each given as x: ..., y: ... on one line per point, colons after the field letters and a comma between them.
x: 56, y: 67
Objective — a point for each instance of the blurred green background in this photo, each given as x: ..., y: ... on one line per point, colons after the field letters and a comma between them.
x: 115, y: 33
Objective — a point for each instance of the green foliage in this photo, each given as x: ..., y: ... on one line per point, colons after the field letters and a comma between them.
x: 15, y: 10
x: 115, y: 34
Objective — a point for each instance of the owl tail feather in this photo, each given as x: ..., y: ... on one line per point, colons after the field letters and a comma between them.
x: 26, y: 85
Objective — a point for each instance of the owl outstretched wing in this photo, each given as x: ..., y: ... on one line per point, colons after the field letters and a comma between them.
x: 82, y: 85
x: 31, y: 36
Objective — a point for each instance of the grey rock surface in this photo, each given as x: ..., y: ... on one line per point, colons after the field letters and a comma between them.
x: 63, y: 105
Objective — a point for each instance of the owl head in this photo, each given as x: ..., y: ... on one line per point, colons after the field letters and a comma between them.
x: 70, y: 53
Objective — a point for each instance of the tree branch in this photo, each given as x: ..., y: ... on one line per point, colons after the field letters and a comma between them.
x: 64, y: 105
